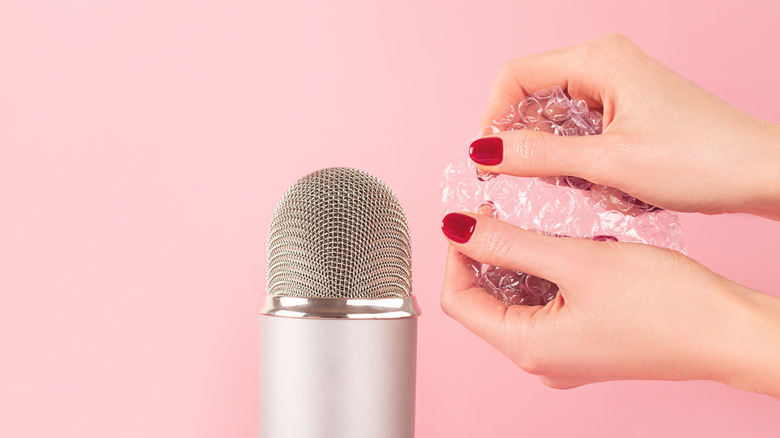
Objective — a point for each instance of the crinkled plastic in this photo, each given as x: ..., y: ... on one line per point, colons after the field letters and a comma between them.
x: 564, y: 206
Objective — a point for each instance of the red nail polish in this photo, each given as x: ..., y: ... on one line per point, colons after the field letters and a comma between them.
x: 458, y: 227
x: 488, y: 151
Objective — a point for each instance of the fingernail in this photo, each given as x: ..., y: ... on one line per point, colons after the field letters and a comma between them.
x: 458, y: 227
x: 488, y: 151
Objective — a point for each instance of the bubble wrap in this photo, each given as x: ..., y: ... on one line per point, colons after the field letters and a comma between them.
x: 564, y: 206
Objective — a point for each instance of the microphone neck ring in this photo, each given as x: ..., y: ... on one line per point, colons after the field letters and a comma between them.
x: 340, y: 308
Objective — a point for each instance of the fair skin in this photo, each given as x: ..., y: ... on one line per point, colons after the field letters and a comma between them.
x: 628, y: 311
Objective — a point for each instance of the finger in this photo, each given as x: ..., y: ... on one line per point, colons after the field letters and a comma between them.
x: 533, y: 153
x: 469, y: 304
x: 477, y: 310
x: 498, y: 243
x: 566, y: 67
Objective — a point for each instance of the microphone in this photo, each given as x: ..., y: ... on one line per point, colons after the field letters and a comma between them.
x: 338, y: 329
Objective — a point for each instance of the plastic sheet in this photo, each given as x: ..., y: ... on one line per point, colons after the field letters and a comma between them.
x: 563, y: 206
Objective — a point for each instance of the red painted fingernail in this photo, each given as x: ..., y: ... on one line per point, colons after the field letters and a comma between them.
x: 458, y: 227
x: 488, y: 151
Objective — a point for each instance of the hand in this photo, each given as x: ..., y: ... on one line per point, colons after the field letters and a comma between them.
x: 665, y: 140
x: 623, y: 311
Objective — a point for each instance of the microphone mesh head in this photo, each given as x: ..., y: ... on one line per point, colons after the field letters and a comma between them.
x: 339, y: 233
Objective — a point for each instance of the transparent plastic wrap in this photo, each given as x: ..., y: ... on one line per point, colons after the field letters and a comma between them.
x: 564, y: 206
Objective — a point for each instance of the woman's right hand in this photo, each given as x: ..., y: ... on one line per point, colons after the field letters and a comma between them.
x: 665, y: 140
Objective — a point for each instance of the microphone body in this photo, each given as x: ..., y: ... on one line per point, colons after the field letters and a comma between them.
x: 335, y: 378
x: 338, y: 329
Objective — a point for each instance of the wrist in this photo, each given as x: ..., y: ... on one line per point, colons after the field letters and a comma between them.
x: 766, y: 195
x: 752, y: 355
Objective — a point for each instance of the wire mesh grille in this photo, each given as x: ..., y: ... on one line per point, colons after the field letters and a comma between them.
x: 339, y: 233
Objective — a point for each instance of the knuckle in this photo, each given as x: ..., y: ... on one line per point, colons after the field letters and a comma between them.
x: 531, y: 148
x: 497, y: 245
x: 445, y: 301
x: 531, y: 363
x: 610, y: 48
x: 615, y: 160
x: 533, y: 351
x: 617, y: 39
x: 507, y: 68
x: 612, y: 41
x: 554, y: 383
x: 507, y: 73
x: 530, y: 141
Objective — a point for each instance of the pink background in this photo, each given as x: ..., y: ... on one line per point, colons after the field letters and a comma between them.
x: 144, y: 145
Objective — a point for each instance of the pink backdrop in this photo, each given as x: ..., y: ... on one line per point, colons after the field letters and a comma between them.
x: 144, y: 144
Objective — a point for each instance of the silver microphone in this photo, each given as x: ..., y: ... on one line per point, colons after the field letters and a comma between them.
x: 338, y: 330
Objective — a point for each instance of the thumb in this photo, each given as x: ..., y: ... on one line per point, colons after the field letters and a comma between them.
x: 498, y: 243
x: 528, y: 152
